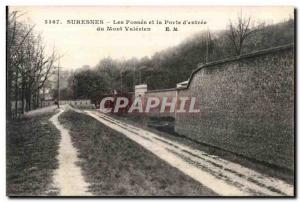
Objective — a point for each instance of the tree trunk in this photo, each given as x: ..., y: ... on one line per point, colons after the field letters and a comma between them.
x: 16, y: 92
x: 8, y: 73
x: 23, y: 94
x: 38, y: 99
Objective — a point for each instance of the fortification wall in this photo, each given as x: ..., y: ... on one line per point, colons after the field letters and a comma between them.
x: 247, y: 106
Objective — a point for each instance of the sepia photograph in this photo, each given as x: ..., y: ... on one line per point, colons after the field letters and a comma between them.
x: 150, y: 101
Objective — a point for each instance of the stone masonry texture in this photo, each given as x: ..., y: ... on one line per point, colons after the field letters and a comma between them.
x: 247, y: 106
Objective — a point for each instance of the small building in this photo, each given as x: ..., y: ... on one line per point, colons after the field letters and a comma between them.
x: 182, y: 85
x: 140, y: 90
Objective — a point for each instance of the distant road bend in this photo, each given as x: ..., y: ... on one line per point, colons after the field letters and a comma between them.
x: 222, y: 176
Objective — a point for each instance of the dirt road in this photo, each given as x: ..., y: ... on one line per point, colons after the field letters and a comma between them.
x: 68, y: 177
x: 221, y: 176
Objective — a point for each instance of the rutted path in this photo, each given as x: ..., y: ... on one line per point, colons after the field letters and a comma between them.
x: 222, y: 176
x: 68, y: 177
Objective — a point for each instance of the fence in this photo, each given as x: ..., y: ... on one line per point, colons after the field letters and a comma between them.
x: 78, y: 103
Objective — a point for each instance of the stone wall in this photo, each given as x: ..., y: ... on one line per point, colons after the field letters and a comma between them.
x: 247, y: 106
x: 169, y: 93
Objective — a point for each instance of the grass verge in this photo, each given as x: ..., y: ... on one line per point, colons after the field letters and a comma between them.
x: 32, y: 146
x: 116, y: 166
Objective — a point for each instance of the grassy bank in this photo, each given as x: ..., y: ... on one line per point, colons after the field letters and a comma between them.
x: 32, y: 145
x: 115, y: 165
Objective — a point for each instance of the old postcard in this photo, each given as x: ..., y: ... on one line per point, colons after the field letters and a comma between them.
x: 150, y: 101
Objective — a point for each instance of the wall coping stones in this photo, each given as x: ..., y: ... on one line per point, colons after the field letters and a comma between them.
x: 236, y: 58
x: 161, y: 90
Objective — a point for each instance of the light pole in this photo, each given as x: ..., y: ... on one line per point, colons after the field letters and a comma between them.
x: 121, y: 81
x: 58, y: 90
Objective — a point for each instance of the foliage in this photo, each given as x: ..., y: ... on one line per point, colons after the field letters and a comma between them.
x: 28, y: 67
x: 168, y: 67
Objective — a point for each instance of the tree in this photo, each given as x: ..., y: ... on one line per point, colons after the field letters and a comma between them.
x: 239, y: 31
x: 167, y: 67
x: 28, y: 67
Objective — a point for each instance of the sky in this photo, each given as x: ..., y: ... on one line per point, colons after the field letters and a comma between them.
x: 84, y: 45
